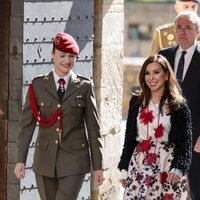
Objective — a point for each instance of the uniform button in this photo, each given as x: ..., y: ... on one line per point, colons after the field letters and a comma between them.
x: 42, y: 104
x: 56, y: 141
x: 57, y: 129
x: 58, y: 118
x: 79, y: 104
x: 58, y: 105
x: 83, y: 145
x: 38, y: 144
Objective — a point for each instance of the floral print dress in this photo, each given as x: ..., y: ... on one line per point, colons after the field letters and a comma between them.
x: 151, y: 160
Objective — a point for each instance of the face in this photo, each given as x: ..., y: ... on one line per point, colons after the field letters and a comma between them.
x: 186, y: 32
x: 155, y: 78
x: 181, y: 6
x: 64, y: 62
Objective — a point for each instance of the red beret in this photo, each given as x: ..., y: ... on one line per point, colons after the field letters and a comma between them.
x: 66, y: 43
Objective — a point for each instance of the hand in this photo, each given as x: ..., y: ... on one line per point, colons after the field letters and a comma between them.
x: 197, y: 145
x: 20, y: 170
x: 99, y: 177
x: 123, y: 182
x: 173, y: 178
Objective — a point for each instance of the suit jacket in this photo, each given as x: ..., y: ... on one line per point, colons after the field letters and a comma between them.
x: 190, y: 84
x: 71, y: 156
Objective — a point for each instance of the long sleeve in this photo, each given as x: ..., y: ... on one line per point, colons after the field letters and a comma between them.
x: 182, y: 127
x: 93, y: 129
x: 26, y: 128
x: 130, y: 135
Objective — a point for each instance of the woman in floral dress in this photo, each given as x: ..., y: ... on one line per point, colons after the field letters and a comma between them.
x: 157, y: 150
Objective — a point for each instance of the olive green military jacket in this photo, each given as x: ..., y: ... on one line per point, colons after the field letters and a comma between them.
x: 164, y: 37
x: 80, y: 130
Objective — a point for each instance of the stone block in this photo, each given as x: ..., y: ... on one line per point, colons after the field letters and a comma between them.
x: 17, y: 8
x: 16, y: 27
x: 112, y: 150
x: 114, y: 8
x: 15, y: 68
x: 112, y: 72
x: 15, y: 89
x: 12, y: 130
x: 111, y: 188
x: 113, y: 28
x: 14, y: 110
x: 16, y: 48
x: 13, y: 192
x: 110, y: 110
x: 11, y: 152
x: 11, y: 178
x: 112, y: 2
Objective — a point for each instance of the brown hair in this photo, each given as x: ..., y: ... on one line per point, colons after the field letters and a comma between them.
x: 53, y: 48
x: 172, y: 91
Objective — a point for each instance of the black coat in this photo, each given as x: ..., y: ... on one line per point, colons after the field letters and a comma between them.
x: 180, y: 135
x: 190, y: 87
x: 190, y: 84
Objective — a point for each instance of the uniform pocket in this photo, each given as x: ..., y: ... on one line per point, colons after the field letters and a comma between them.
x: 79, y: 101
x: 79, y: 144
x: 42, y: 144
x: 45, y: 107
x: 78, y: 104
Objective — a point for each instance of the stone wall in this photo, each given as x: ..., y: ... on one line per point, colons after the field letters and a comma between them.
x: 108, y: 80
x: 15, y: 82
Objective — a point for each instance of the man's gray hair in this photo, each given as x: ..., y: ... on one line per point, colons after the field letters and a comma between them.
x: 192, y: 16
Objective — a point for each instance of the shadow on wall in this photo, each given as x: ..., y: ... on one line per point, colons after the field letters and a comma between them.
x: 82, y: 33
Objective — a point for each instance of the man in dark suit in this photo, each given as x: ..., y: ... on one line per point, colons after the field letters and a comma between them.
x: 164, y: 35
x: 185, y: 59
x: 64, y: 106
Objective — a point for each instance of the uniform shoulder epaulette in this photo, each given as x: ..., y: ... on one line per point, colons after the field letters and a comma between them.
x: 166, y: 35
x: 82, y: 77
x: 165, y: 26
x: 39, y: 77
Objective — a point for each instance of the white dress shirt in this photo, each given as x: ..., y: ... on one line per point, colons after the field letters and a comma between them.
x: 188, y: 58
x: 56, y: 78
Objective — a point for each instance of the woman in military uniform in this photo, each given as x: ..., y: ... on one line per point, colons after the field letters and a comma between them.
x: 63, y: 104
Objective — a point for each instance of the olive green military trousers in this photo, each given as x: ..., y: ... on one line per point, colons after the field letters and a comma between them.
x: 64, y: 188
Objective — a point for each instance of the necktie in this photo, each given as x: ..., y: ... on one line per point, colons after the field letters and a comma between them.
x: 179, y: 73
x: 61, y: 89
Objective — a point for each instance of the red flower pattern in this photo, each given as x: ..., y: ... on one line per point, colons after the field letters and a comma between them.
x: 168, y: 197
x: 159, y: 131
x: 146, y: 116
x: 148, y: 181
x: 138, y: 177
x: 150, y: 158
x: 163, y: 177
x: 144, y: 146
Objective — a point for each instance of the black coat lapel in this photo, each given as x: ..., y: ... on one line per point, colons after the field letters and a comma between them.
x: 172, y: 54
x: 193, y: 69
